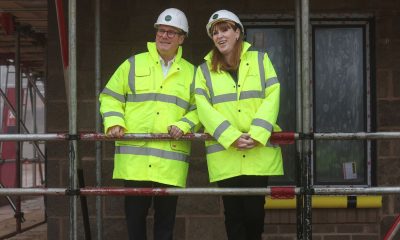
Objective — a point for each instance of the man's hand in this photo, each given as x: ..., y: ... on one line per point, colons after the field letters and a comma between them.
x: 175, y: 132
x: 116, y: 131
x: 244, y: 142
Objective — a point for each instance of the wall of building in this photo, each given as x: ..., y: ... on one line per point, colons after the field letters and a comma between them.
x: 126, y: 27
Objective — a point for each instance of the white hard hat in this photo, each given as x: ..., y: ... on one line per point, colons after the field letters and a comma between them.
x: 222, y: 15
x: 173, y: 17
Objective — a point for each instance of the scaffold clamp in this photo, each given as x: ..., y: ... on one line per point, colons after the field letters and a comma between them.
x: 19, y: 215
x: 72, y: 192
x: 72, y: 137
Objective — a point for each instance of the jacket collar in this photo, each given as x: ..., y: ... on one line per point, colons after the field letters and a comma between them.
x: 151, y: 47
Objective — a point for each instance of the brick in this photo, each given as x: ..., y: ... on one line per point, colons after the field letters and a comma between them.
x: 86, y: 89
x: 86, y: 113
x: 198, y: 173
x: 57, y: 206
x: 57, y: 115
x: 316, y: 237
x: 385, y: 5
x: 365, y: 237
x: 323, y: 228
x: 389, y: 169
x: 179, y: 228
x: 113, y: 207
x: 386, y: 223
x: 198, y: 149
x: 337, y: 237
x: 271, y: 228
x: 199, y: 205
x: 57, y: 150
x: 279, y: 237
x: 114, y: 228
x: 206, y: 228
x: 389, y: 113
x: 383, y: 80
x: 53, y: 228
x: 371, y: 228
x: 108, y: 150
x: 286, y: 228
x: 396, y: 84
x: 350, y: 228
x: 395, y: 148
x: 384, y: 147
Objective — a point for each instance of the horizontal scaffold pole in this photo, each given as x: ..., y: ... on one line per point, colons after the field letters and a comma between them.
x: 276, y: 137
x: 275, y: 192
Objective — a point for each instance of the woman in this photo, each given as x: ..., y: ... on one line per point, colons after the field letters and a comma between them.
x: 237, y: 98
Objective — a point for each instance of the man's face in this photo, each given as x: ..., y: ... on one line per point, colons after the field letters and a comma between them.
x: 168, y: 40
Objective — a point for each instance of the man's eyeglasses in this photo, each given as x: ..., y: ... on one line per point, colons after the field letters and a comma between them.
x: 170, y: 34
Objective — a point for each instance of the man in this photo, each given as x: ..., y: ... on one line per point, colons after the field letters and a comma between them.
x: 152, y: 92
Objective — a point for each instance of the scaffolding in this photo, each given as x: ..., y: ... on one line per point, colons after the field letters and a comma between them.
x: 303, y: 139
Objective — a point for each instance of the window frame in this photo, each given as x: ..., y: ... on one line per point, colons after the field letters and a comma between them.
x: 339, y: 21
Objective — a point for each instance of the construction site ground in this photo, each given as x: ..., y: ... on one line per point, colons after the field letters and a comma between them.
x: 34, y: 214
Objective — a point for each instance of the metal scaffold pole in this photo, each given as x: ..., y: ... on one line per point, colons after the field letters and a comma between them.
x: 73, y: 144
x: 306, y: 117
x: 98, y: 147
x: 299, y: 120
x: 18, y: 213
x: 277, y: 192
x: 281, y: 138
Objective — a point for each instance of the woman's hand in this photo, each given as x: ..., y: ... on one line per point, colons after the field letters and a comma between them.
x: 244, y: 142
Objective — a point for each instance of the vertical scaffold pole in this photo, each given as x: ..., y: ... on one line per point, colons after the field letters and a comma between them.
x: 18, y: 213
x: 299, y: 126
x: 73, y: 144
x: 98, y: 146
x: 306, y: 107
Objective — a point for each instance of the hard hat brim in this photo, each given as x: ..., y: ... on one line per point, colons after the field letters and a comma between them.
x: 211, y: 24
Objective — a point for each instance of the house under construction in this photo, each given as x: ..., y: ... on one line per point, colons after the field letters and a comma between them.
x: 338, y: 63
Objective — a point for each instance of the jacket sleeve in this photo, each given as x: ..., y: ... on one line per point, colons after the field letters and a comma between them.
x: 267, y: 114
x: 213, y: 121
x: 190, y: 121
x: 112, y: 98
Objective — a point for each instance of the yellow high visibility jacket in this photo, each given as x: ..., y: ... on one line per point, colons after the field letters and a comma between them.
x: 140, y: 99
x: 227, y: 109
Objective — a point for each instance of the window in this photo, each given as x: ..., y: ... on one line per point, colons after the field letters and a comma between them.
x: 341, y: 96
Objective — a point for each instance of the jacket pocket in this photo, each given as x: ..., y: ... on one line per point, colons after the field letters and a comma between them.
x: 143, y: 79
x: 138, y: 143
x: 180, y: 146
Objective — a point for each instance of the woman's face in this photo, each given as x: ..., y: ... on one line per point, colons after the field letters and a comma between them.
x: 225, y: 37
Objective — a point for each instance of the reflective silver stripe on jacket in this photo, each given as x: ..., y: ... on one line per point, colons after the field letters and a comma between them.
x: 214, y: 148
x: 131, y: 77
x: 228, y: 97
x: 262, y: 123
x: 151, y: 152
x: 243, y: 95
x: 113, y: 94
x: 251, y: 94
x: 200, y: 91
x: 207, y: 76
x: 112, y: 113
x: 188, y: 122
x: 192, y: 108
x: 220, y: 129
x: 192, y: 86
x: 271, y: 81
x: 269, y: 144
x: 262, y: 71
x: 158, y: 97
